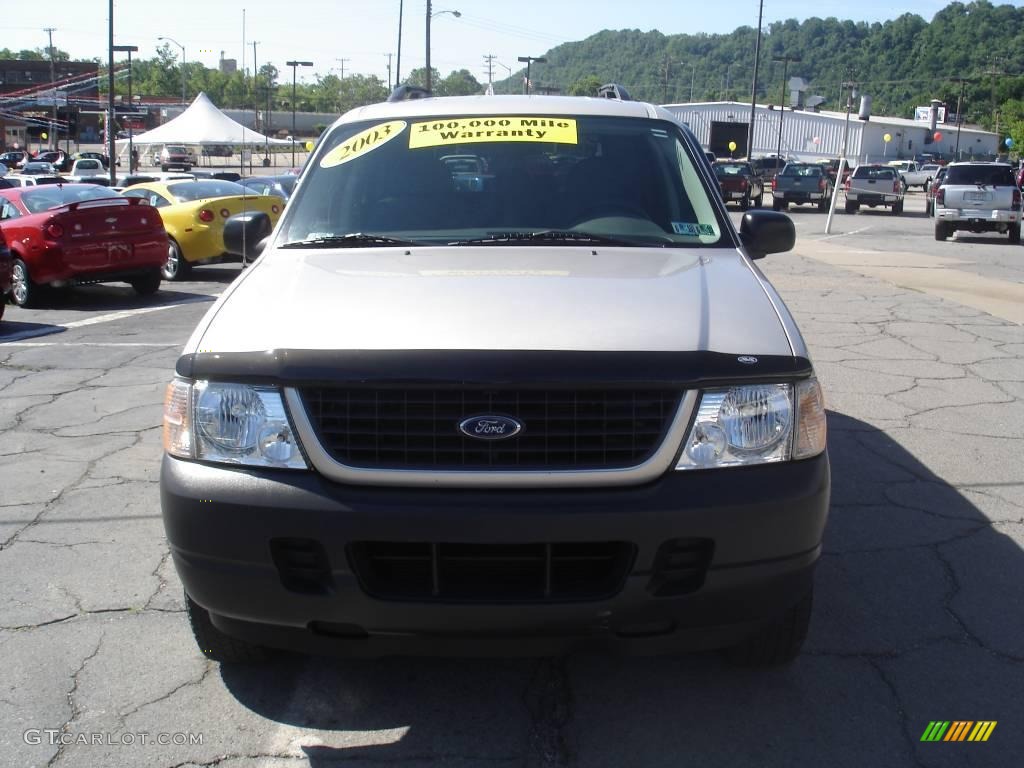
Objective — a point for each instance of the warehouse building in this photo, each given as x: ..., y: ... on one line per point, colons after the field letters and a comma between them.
x: 808, y: 135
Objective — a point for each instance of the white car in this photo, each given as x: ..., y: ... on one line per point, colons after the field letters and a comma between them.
x: 83, y: 169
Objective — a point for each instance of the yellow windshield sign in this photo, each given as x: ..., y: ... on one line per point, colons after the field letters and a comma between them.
x: 473, y: 130
x: 363, y: 142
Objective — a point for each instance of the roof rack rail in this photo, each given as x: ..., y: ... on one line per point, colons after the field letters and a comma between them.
x: 408, y: 93
x: 613, y: 91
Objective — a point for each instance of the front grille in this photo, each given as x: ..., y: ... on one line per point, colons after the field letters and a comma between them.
x: 404, y: 428
x: 494, y: 573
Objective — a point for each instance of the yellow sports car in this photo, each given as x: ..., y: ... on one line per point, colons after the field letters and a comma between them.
x: 194, y: 213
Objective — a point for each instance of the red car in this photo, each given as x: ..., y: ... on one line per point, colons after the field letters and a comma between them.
x: 5, y: 273
x: 70, y: 234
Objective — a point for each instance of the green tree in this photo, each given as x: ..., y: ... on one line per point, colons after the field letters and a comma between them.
x: 585, y: 86
x: 460, y: 83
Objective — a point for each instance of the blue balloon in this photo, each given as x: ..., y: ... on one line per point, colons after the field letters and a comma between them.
x: 1008, y: 142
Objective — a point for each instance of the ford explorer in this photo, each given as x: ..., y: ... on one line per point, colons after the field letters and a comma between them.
x: 558, y: 407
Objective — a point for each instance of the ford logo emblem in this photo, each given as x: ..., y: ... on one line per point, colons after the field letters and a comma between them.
x: 490, y: 427
x: 747, y: 359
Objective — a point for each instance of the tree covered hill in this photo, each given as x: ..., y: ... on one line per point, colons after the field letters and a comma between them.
x: 902, y: 63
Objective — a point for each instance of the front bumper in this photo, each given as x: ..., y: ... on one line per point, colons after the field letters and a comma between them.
x: 765, y: 524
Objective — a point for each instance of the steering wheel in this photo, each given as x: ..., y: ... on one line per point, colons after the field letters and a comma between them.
x: 612, y: 208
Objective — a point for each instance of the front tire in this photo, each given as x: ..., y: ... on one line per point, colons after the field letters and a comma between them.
x: 24, y: 292
x: 149, y: 283
x: 778, y: 642
x: 217, y: 646
x: 175, y: 268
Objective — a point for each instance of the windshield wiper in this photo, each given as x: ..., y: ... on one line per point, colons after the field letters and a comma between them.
x: 546, y: 236
x: 351, y: 240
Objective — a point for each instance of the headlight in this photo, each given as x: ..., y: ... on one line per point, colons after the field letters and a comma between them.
x: 755, y: 424
x: 229, y: 423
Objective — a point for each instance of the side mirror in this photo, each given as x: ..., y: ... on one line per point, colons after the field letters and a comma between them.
x: 764, y: 232
x: 245, y: 234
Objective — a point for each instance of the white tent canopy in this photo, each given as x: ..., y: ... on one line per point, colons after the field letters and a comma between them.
x: 202, y: 123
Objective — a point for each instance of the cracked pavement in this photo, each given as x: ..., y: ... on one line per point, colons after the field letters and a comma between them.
x: 918, y: 606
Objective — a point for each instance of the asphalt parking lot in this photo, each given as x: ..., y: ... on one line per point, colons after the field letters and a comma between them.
x: 919, y: 607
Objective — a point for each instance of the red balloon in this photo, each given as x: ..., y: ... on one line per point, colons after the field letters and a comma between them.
x: 938, y: 136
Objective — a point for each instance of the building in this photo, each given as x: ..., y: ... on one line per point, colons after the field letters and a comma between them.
x: 808, y: 135
x: 27, y: 96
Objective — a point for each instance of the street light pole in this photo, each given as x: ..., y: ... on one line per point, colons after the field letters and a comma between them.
x: 528, y: 60
x: 430, y: 15
x: 753, y: 88
x: 505, y: 66
x: 295, y: 65
x: 172, y: 40
x: 429, y: 76
x: 129, y: 49
x: 693, y: 77
x: 111, y: 147
x: 53, y: 90
x: 782, y: 100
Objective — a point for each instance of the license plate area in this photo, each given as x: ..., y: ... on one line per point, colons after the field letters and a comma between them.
x: 976, y: 196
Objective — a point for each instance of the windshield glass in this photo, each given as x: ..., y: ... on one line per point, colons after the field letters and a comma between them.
x: 39, y: 200
x: 998, y: 175
x: 864, y: 172
x: 732, y: 169
x: 801, y: 170
x: 459, y: 179
x: 187, y: 191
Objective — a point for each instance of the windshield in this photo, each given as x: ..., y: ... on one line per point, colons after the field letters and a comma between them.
x: 732, y: 169
x: 187, y: 191
x: 801, y: 170
x: 39, y: 200
x: 874, y: 173
x: 460, y: 179
x: 998, y: 175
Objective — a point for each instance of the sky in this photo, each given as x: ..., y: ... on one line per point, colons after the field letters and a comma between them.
x: 363, y: 33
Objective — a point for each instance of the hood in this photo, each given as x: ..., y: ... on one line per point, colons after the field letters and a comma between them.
x: 497, y: 298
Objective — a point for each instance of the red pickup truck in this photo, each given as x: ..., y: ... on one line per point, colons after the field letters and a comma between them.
x: 739, y: 184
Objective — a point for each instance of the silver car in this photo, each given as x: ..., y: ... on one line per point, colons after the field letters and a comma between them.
x: 557, y: 407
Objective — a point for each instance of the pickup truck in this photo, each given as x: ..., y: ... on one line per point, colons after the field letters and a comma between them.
x: 802, y: 183
x: 914, y: 175
x: 978, y: 197
x: 739, y: 184
x: 874, y: 185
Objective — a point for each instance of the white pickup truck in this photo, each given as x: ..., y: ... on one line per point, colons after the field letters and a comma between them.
x: 913, y: 175
x: 978, y: 197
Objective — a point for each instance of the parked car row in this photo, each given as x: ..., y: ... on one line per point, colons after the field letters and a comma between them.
x: 62, y: 234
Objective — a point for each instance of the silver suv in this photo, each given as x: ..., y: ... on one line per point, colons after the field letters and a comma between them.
x: 978, y: 197
x: 554, y: 405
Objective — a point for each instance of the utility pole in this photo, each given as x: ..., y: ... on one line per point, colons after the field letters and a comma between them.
x: 111, y: 147
x: 782, y: 99
x: 489, y: 58
x: 959, y: 118
x: 664, y: 90
x: 389, y: 71
x: 693, y: 77
x: 53, y: 88
x: 429, y: 76
x: 343, y: 66
x: 398, y: 58
x: 255, y: 101
x: 753, y: 88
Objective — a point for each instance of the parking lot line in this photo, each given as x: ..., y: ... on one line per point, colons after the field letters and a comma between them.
x: 110, y: 317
